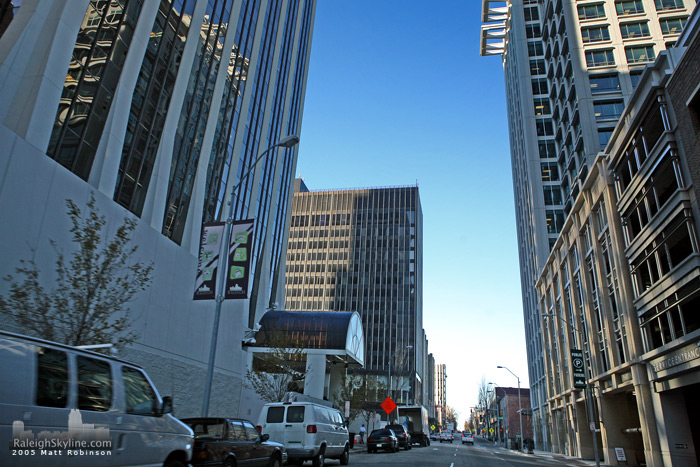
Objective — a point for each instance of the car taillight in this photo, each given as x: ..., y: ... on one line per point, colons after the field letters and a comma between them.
x: 259, y: 428
x: 311, y: 429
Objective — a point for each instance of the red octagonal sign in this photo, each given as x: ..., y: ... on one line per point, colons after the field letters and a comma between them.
x: 388, y: 405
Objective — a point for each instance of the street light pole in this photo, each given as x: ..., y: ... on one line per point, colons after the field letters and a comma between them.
x: 286, y: 142
x: 589, y: 394
x: 390, y: 360
x: 520, y: 406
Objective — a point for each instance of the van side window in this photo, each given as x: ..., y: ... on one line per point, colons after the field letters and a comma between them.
x: 52, y: 377
x: 94, y: 384
x: 275, y: 414
x: 138, y: 393
x: 295, y: 414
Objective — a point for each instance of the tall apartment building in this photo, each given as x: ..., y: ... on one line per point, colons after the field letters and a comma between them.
x: 362, y: 250
x: 441, y: 393
x: 570, y: 68
x: 160, y: 109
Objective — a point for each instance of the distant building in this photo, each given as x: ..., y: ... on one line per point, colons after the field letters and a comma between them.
x: 362, y: 250
x: 503, y: 416
x: 570, y: 69
x: 441, y: 393
x: 159, y: 108
x: 623, y: 279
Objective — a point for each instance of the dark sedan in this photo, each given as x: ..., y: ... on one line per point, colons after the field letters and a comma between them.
x: 402, y: 435
x: 232, y: 441
x: 382, y: 439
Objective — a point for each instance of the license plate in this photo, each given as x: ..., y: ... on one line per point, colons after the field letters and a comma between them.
x: 379, y: 445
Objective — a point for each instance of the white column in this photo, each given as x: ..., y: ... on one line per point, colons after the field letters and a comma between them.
x: 315, y: 375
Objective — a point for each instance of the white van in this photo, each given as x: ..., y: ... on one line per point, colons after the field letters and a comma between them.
x: 308, y: 431
x: 63, y: 406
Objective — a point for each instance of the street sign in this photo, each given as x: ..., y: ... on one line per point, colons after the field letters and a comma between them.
x: 388, y: 405
x: 209, y: 249
x: 240, y: 252
x: 578, y: 372
x: 491, y: 430
x: 432, y: 427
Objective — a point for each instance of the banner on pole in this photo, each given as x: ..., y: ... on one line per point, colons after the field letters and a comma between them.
x: 239, y: 253
x: 209, y: 250
x: 578, y: 371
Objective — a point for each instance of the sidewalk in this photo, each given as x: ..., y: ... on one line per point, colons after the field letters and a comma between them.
x: 568, y: 460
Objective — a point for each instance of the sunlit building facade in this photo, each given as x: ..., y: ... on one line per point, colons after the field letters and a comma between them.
x: 160, y: 108
x: 361, y: 250
x: 570, y: 68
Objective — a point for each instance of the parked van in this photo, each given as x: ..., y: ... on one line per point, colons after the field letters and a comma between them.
x: 60, y: 405
x: 308, y: 431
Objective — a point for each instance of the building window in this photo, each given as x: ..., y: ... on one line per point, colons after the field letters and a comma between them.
x: 591, y: 11
x: 532, y: 31
x: 534, y: 48
x: 542, y: 106
x: 531, y: 14
x: 555, y: 220
x: 635, y: 76
x: 595, y: 34
x: 599, y: 58
x: 539, y: 86
x: 672, y: 25
x: 629, y: 7
x: 640, y: 54
x: 604, y: 135
x: 552, y: 194
x: 608, y: 110
x: 668, y: 4
x: 604, y: 83
x: 537, y: 67
x: 550, y: 171
x: 547, y: 149
x: 544, y: 127
x: 634, y: 30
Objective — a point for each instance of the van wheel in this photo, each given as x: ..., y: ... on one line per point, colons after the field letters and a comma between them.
x: 229, y: 463
x: 320, y: 458
x: 345, y: 457
x: 174, y: 463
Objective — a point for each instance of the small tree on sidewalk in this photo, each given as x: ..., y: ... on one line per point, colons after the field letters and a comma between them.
x: 278, y: 370
x: 87, y: 304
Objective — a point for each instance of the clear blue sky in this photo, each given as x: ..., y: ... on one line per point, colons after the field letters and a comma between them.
x: 398, y: 94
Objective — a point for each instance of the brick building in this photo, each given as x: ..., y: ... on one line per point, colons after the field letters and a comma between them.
x: 504, y: 416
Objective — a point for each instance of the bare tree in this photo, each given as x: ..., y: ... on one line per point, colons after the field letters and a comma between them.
x: 93, y: 286
x: 278, y: 370
x: 361, y: 391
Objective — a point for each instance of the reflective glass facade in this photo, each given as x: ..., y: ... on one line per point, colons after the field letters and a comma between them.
x: 361, y: 250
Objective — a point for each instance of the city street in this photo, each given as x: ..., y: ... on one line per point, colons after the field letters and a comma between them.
x: 482, y: 454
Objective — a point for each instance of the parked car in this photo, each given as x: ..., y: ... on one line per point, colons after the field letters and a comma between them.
x: 402, y: 435
x: 467, y: 438
x: 60, y: 390
x: 231, y: 442
x: 383, y: 439
x: 309, y: 431
x: 434, y: 436
x: 446, y: 436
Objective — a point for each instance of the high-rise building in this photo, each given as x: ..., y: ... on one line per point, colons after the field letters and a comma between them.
x: 362, y: 250
x: 570, y: 68
x: 160, y: 109
x: 441, y: 393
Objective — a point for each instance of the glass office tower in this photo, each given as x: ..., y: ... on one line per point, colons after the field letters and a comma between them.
x: 362, y: 250
x: 160, y: 108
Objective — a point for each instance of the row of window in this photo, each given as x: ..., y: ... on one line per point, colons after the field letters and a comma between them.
x: 632, y: 30
x: 634, y: 54
x: 625, y: 7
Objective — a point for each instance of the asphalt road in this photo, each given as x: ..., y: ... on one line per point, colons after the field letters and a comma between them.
x: 482, y: 454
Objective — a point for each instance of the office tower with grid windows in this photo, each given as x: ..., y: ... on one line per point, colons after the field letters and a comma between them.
x: 570, y: 68
x: 160, y: 109
x: 362, y: 250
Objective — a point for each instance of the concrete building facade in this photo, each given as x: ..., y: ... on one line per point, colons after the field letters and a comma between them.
x: 622, y: 282
x: 158, y: 109
x: 361, y: 250
x: 570, y: 68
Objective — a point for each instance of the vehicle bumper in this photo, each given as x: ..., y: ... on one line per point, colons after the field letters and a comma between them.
x: 300, y: 453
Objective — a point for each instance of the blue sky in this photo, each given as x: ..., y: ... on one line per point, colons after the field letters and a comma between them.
x: 398, y: 95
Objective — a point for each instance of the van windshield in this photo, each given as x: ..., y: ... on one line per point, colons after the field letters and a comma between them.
x: 295, y: 414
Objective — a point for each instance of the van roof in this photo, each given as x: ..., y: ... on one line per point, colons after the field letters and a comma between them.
x: 37, y: 340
